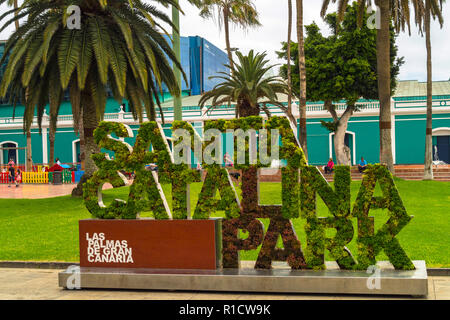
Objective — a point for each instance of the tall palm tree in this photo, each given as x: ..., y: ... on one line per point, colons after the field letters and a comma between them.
x: 242, y: 13
x: 397, y: 12
x: 302, y: 67
x: 252, y: 91
x: 424, y: 11
x: 119, y: 46
x: 29, y: 157
x: 248, y: 87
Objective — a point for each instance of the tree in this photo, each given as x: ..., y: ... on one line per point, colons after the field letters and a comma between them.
x: 302, y: 72
x: 119, y: 46
x: 425, y: 10
x: 238, y: 12
x: 289, y: 77
x: 29, y: 159
x: 397, y: 12
x: 252, y: 90
x: 342, y: 67
x: 248, y: 87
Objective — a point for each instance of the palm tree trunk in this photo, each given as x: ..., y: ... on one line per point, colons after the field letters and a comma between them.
x: 52, y: 135
x: 227, y: 36
x: 384, y: 85
x: 51, y: 138
x: 82, y: 147
x: 428, y: 174
x: 289, y: 72
x: 29, y: 161
x: 302, y: 67
x: 90, y: 122
x: 15, y: 14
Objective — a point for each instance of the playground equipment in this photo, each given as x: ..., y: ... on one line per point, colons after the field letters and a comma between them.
x: 40, y: 177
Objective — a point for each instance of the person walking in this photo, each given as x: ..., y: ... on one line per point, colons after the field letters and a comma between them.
x: 18, y: 177
x: 11, y: 175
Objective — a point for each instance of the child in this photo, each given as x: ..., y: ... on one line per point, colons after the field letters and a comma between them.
x: 18, y: 177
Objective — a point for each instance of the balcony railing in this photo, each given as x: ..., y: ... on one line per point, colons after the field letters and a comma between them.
x: 195, y: 113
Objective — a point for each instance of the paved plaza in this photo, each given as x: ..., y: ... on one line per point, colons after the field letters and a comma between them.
x: 42, y: 284
x: 38, y: 191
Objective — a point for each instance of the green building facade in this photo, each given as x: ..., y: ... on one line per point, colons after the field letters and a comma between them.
x: 408, y: 127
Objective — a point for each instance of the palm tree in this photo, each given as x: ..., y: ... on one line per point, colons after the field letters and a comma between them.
x: 248, y: 87
x: 302, y: 70
x: 29, y: 159
x: 252, y: 91
x: 398, y: 12
x: 424, y: 11
x: 238, y: 12
x: 119, y: 46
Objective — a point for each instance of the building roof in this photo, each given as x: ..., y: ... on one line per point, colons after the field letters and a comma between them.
x: 414, y: 88
x: 190, y: 101
x: 408, y: 88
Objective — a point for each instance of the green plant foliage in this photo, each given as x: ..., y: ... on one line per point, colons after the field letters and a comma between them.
x: 146, y: 194
x: 217, y: 178
x: 232, y: 244
x: 108, y: 172
x: 369, y: 243
x: 251, y: 211
x: 295, y: 157
x: 338, y: 202
x: 292, y: 251
x: 181, y: 175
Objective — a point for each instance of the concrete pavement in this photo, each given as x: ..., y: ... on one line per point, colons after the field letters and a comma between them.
x: 42, y: 284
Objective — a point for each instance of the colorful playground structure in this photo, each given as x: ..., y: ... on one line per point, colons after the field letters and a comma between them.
x: 40, y: 176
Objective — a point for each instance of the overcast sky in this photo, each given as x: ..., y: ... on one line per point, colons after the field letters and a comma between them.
x: 273, y: 16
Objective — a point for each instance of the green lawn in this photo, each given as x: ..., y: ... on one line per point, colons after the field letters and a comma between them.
x: 47, y: 230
